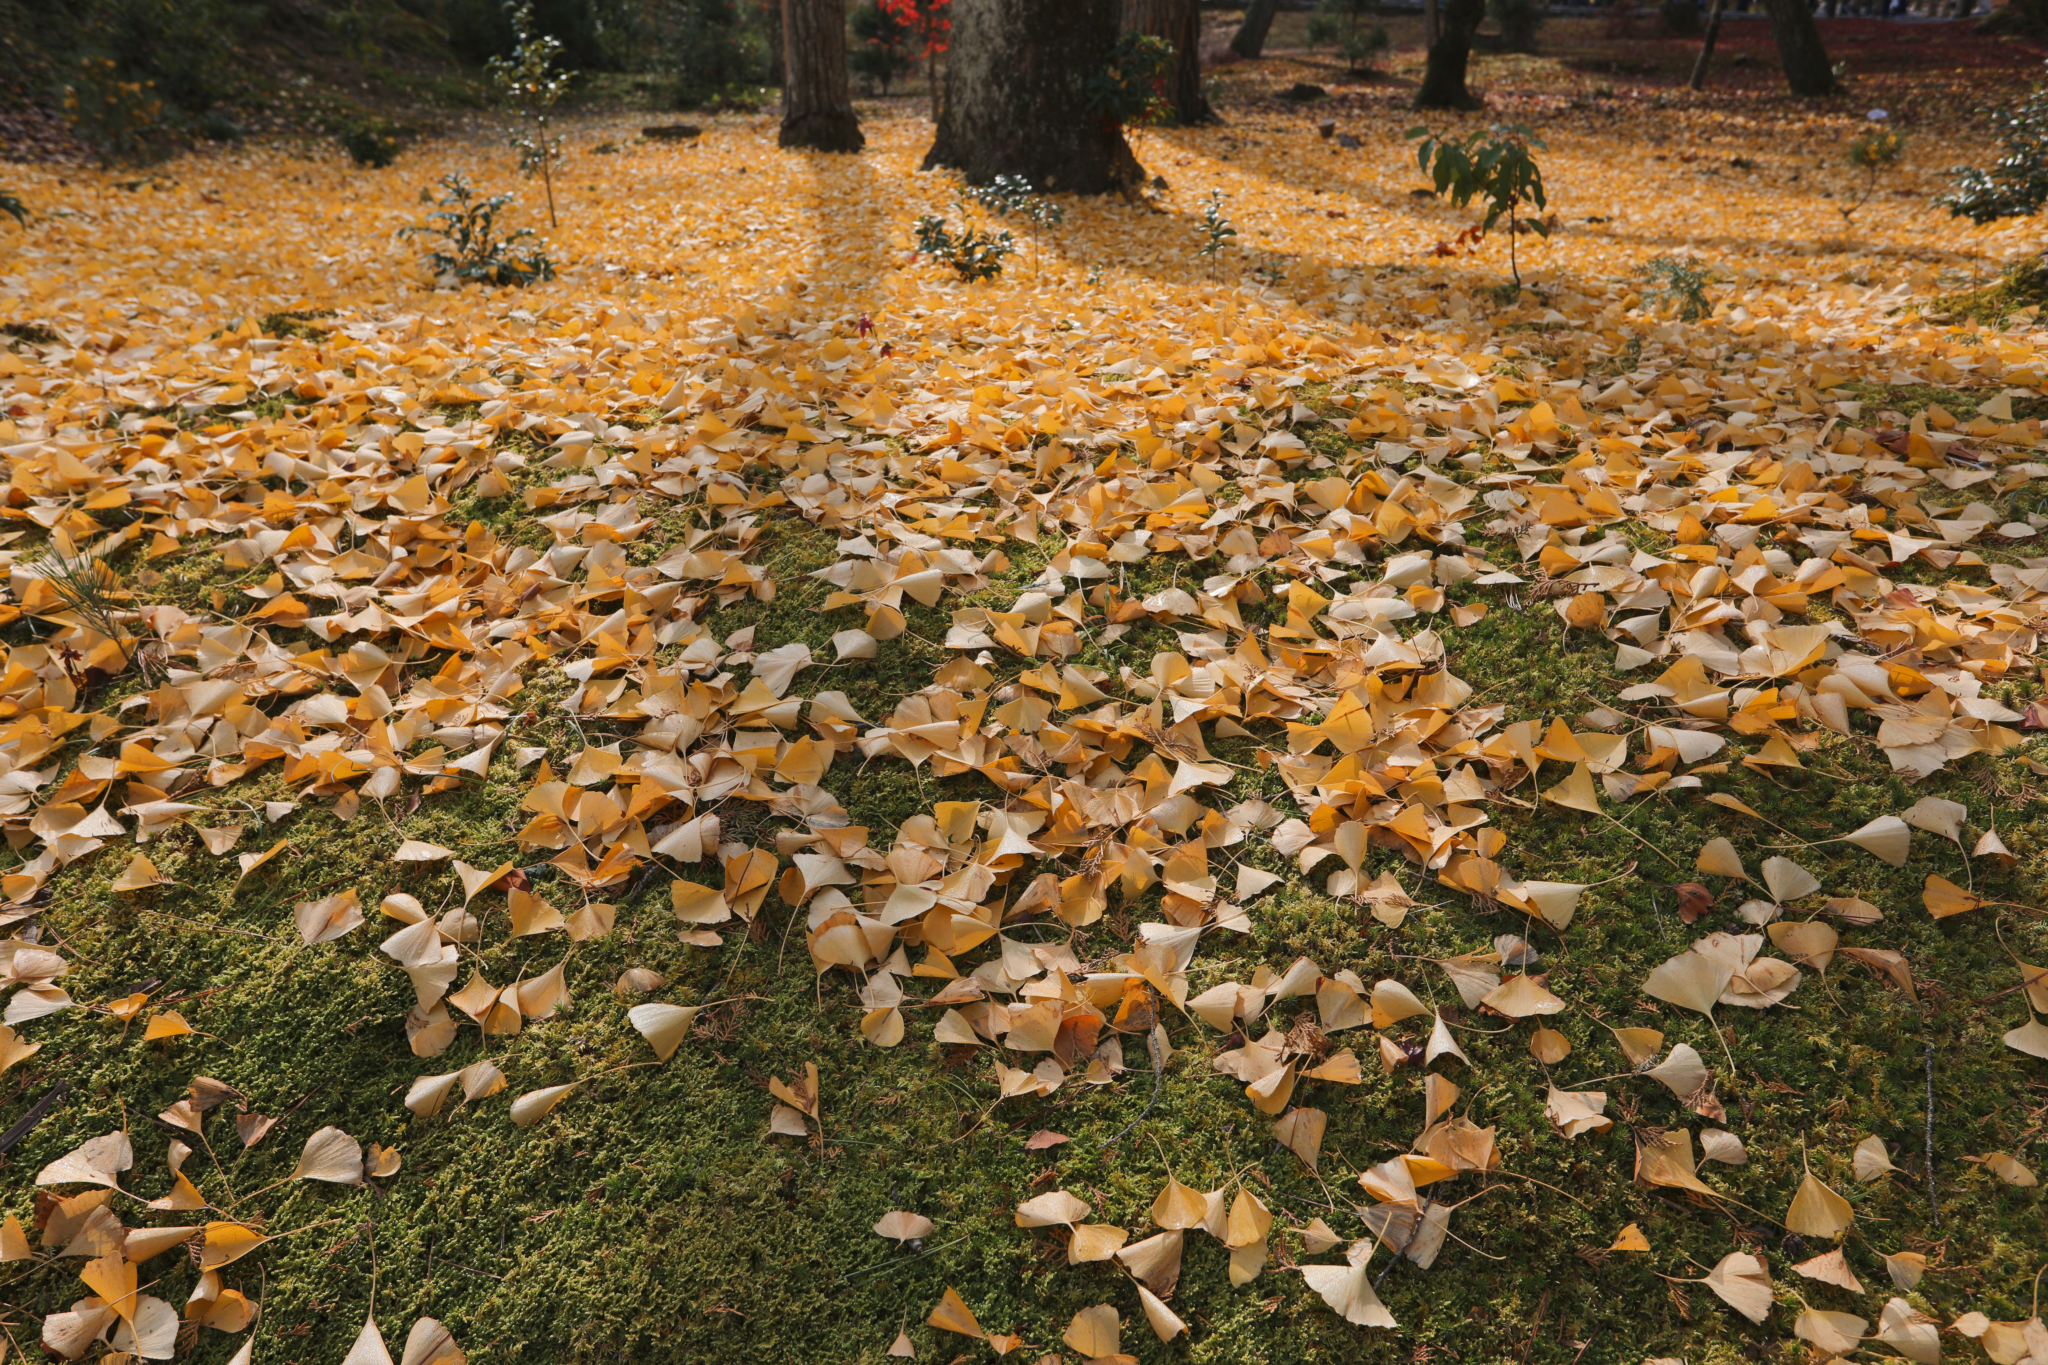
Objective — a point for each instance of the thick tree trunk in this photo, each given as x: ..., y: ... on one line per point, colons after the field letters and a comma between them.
x: 817, y: 111
x: 1443, y: 79
x: 1799, y: 48
x: 1251, y: 34
x: 1017, y: 78
x: 1707, y: 41
x: 1180, y: 23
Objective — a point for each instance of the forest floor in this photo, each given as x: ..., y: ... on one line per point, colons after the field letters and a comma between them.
x: 1323, y: 651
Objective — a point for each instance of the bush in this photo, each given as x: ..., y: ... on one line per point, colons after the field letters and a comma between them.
x: 1361, y: 47
x: 881, y: 50
x: 1518, y: 20
x: 371, y: 142
x: 975, y: 255
x: 134, y: 76
x: 712, y: 49
x: 471, y: 249
x: 2017, y: 183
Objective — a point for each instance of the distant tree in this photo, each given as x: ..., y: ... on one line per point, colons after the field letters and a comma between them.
x: 1800, y: 50
x: 817, y: 110
x: 1443, y: 75
x: 1179, y: 22
x: 1251, y: 34
x: 1025, y: 91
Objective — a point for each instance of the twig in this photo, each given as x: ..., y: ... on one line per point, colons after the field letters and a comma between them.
x: 1158, y: 1070
x: 886, y: 1265
x: 35, y: 1115
x: 1933, y: 1201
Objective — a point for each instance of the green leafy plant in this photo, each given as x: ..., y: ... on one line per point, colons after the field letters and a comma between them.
x: 528, y: 82
x: 11, y: 205
x: 1875, y: 151
x: 2017, y: 183
x: 1013, y: 195
x: 1216, y: 231
x: 881, y: 50
x: 1131, y: 90
x: 1682, y: 281
x: 1340, y: 23
x: 974, y: 255
x: 370, y: 142
x: 1494, y: 165
x: 471, y: 247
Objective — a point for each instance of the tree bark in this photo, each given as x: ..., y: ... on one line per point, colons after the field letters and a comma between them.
x: 1017, y: 78
x: 1180, y: 23
x: 1443, y: 78
x: 817, y: 110
x: 1432, y: 23
x: 1799, y: 48
x: 1251, y: 34
x: 1707, y: 41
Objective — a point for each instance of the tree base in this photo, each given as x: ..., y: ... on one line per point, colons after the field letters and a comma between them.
x: 834, y: 131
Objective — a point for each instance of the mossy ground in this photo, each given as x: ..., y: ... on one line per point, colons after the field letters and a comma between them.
x: 651, y: 1218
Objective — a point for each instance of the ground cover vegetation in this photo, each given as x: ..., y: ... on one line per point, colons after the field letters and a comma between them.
x: 1307, y: 769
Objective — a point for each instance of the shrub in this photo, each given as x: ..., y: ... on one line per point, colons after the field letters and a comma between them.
x: 1361, y: 47
x: 370, y: 141
x: 1518, y: 20
x: 1130, y: 90
x: 123, y: 120
x: 974, y: 256
x: 881, y: 47
x: 471, y: 248
x: 2017, y: 183
x: 1340, y: 22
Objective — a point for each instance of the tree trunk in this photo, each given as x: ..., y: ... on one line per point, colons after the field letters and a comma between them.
x: 1180, y: 23
x: 817, y: 111
x: 1443, y: 79
x: 1251, y: 34
x: 1017, y: 78
x: 1432, y: 23
x: 1799, y: 48
x: 1707, y: 41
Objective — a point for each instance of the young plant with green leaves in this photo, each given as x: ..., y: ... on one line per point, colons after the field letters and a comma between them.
x: 974, y: 255
x: 1494, y: 165
x: 472, y: 249
x: 1216, y: 230
x: 11, y: 205
x: 1009, y: 195
x: 528, y: 82
x: 1680, y: 281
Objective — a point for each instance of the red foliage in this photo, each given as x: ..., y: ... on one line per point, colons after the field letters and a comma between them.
x: 927, y: 21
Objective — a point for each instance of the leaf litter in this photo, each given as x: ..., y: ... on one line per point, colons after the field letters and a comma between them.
x: 1771, y: 573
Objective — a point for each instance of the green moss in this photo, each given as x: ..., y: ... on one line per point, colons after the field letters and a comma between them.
x: 650, y: 1217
